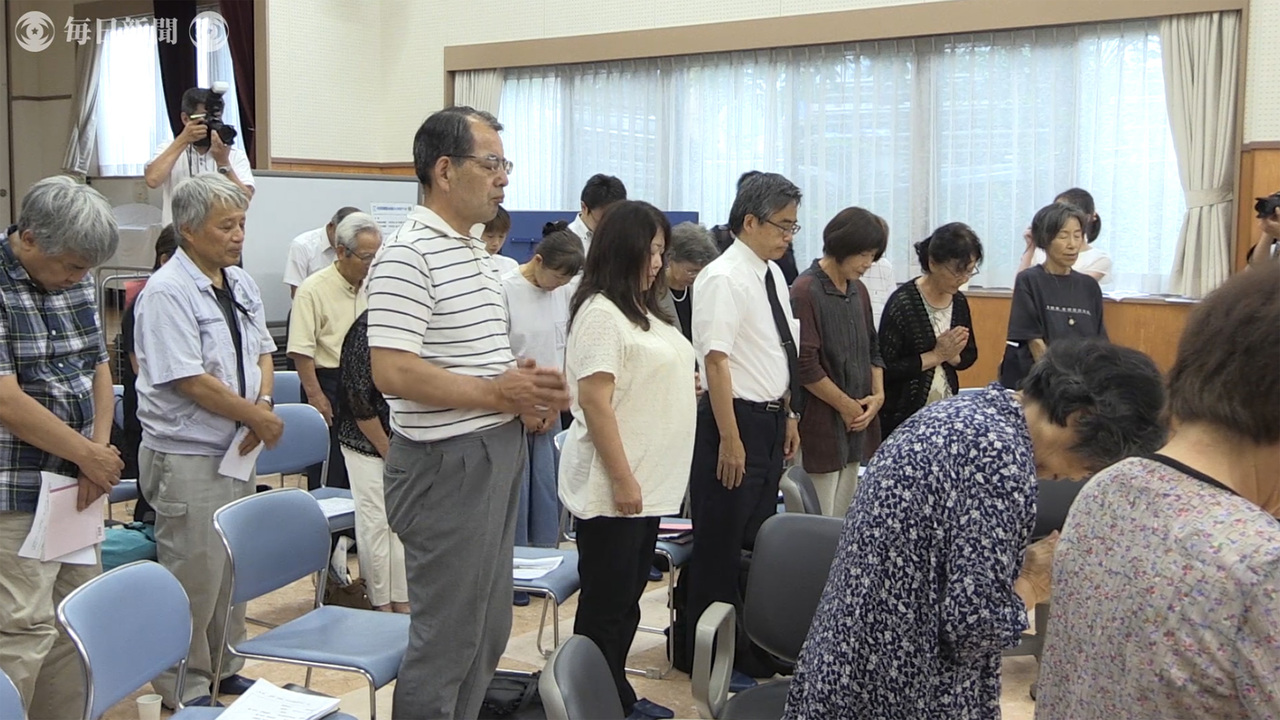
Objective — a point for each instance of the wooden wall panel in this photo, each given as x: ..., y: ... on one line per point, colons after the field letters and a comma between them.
x: 317, y: 166
x: 1152, y: 327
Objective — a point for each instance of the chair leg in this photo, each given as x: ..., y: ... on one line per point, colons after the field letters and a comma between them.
x: 307, y: 682
x: 373, y: 701
x: 542, y: 623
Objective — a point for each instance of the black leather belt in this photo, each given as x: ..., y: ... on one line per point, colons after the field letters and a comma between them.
x: 772, y: 406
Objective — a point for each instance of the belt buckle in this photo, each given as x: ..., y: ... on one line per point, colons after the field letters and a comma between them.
x: 773, y: 406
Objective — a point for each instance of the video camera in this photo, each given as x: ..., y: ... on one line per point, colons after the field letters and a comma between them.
x: 1267, y: 206
x: 212, y: 117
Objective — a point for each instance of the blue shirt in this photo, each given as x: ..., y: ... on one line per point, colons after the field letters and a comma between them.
x: 52, y: 342
x: 182, y: 332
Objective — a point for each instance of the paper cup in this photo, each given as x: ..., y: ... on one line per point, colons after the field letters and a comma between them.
x: 149, y: 707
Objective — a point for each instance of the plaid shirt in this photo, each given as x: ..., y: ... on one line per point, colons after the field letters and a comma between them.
x: 52, y: 342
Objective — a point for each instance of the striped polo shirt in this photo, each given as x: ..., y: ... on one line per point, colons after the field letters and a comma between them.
x: 434, y: 292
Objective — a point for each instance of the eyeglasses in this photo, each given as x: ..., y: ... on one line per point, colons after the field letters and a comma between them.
x: 966, y: 274
x: 791, y: 229
x: 366, y: 257
x: 492, y: 163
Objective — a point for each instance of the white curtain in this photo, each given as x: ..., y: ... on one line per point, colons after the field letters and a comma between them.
x: 132, y: 122
x: 480, y: 89
x: 84, y: 127
x: 1200, y: 69
x: 983, y: 129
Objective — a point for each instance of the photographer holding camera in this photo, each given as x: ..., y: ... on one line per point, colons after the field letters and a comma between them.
x: 1268, y: 209
x: 205, y: 145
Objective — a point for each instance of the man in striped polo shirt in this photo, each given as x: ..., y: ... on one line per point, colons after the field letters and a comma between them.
x: 440, y: 353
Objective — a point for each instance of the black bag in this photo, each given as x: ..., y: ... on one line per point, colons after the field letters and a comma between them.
x: 514, y: 696
x: 1015, y: 365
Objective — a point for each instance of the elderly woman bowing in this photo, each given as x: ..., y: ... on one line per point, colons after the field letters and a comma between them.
x: 923, y: 592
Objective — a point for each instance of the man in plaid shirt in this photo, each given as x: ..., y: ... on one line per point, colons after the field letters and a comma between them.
x: 56, y: 406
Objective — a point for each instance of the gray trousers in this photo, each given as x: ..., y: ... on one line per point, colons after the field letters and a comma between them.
x: 453, y: 504
x: 185, y: 490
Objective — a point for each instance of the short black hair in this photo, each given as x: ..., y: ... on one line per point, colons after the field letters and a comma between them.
x: 602, y: 191
x: 1226, y: 373
x: 446, y: 133
x: 746, y: 176
x: 1117, y: 392
x: 854, y: 231
x: 342, y: 214
x: 619, y: 254
x: 951, y: 243
x: 761, y: 195
x: 1050, y: 220
x: 166, y: 244
x: 501, y: 223
x: 193, y: 98
x: 1082, y: 199
x: 560, y: 248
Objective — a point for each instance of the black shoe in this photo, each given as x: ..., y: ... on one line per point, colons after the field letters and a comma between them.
x: 654, y: 574
x: 203, y: 701
x: 650, y: 709
x: 520, y: 599
x: 234, y: 685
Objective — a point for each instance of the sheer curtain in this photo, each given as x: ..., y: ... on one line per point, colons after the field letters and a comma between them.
x: 983, y: 129
x: 132, y: 122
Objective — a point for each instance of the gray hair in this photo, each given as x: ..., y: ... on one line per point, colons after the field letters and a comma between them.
x: 447, y: 133
x: 352, y: 227
x: 692, y: 243
x: 67, y: 217
x: 197, y: 196
x: 761, y: 196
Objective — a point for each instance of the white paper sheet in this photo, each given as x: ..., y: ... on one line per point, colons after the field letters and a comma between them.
x: 389, y: 216
x: 337, y: 506
x: 59, y: 530
x: 534, y: 568
x: 235, y: 465
x: 265, y: 701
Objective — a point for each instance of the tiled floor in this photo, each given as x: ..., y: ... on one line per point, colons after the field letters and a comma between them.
x: 522, y: 654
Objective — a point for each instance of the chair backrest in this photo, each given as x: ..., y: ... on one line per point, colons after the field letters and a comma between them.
x: 118, y: 392
x: 305, y: 441
x: 577, y: 685
x: 789, y: 569
x: 798, y: 492
x: 129, y: 625
x: 273, y: 538
x: 1053, y: 502
x: 287, y: 387
x: 10, y: 699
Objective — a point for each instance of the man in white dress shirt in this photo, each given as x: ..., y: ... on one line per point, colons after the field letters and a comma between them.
x: 746, y: 339
x: 598, y: 194
x: 313, y: 251
x: 195, y: 152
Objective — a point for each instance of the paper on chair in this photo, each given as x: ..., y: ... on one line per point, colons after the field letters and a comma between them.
x: 534, y: 568
x: 60, y: 530
x: 235, y: 465
x: 265, y: 701
x: 334, y: 506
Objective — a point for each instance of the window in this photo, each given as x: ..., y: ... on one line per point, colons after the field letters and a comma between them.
x: 133, y: 120
x: 983, y: 129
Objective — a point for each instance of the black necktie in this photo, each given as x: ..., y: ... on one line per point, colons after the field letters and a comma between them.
x: 788, y: 342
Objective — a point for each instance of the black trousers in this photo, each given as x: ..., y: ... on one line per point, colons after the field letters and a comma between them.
x: 725, y: 522
x: 330, y: 380
x: 614, y: 557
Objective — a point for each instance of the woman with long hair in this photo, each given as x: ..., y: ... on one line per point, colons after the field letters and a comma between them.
x: 625, y: 462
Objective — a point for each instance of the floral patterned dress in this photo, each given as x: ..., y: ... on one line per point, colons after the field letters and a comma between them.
x: 920, y: 600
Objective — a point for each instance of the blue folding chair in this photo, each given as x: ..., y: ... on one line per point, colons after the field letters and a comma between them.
x: 10, y: 699
x: 554, y: 587
x: 275, y: 538
x: 287, y: 388
x: 127, y: 489
x: 305, y: 442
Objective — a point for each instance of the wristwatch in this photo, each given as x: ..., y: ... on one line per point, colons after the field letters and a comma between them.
x: 270, y: 401
x: 225, y: 169
x: 792, y: 415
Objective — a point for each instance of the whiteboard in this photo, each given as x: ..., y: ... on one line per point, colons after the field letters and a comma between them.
x: 286, y: 204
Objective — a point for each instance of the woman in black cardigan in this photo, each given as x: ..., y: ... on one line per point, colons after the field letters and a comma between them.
x: 926, y: 332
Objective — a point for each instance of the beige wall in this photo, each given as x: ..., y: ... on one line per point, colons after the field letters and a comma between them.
x: 40, y: 85
x: 399, y: 71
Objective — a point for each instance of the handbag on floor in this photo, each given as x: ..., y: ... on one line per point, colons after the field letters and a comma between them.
x: 513, y: 696
x: 340, y: 588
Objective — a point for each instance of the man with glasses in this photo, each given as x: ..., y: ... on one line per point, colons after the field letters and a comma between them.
x: 746, y: 340
x: 313, y: 251
x: 324, y: 309
x: 440, y: 353
x: 724, y: 238
x: 598, y: 194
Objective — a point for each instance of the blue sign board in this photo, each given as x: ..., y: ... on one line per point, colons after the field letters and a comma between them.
x: 526, y: 229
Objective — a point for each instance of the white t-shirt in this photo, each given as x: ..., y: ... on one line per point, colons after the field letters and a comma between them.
x: 191, y: 163
x: 1091, y: 260
x: 653, y: 401
x: 731, y: 314
x: 504, y: 264
x: 309, y: 253
x: 539, y: 319
x: 880, y: 285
